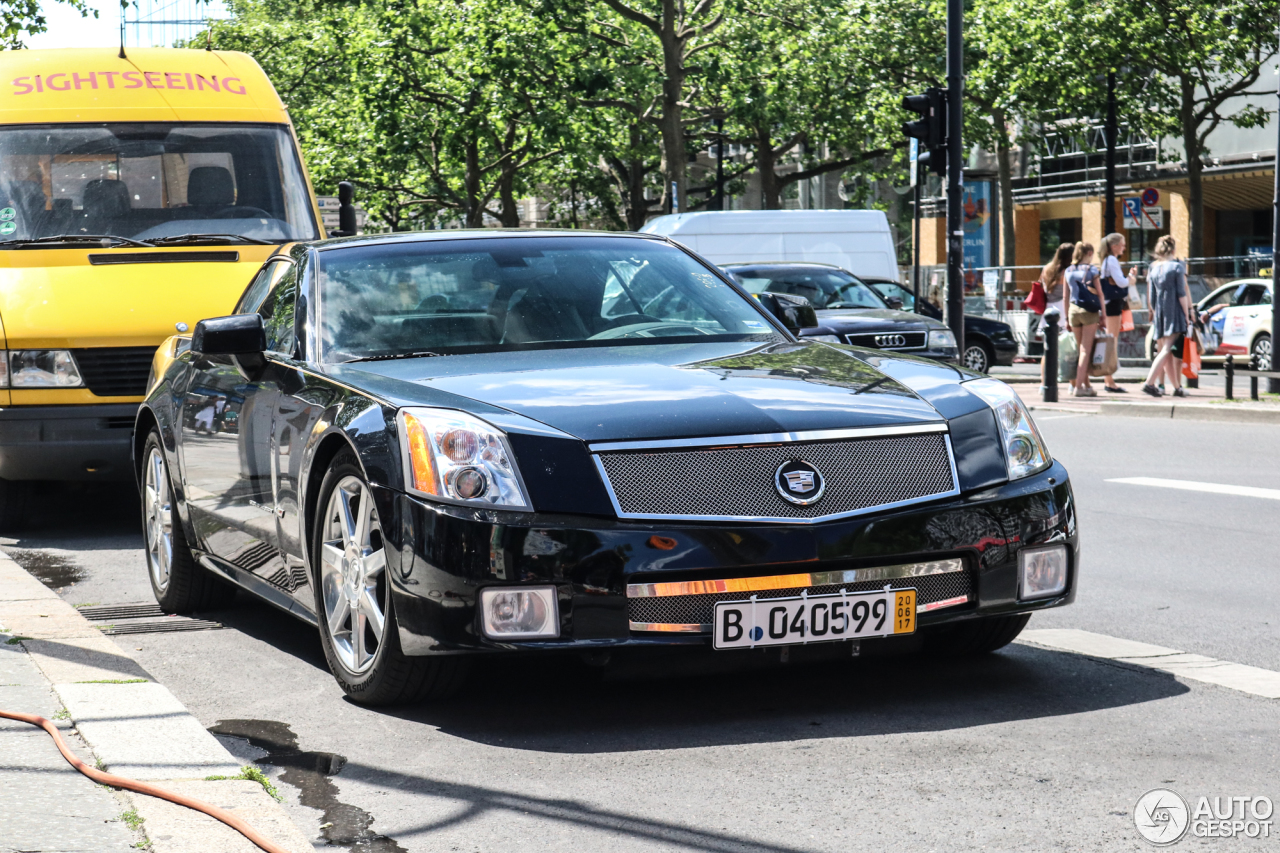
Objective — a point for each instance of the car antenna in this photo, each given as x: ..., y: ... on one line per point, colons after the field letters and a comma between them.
x: 123, y: 5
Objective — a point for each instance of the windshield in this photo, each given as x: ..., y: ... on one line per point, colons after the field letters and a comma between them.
x: 824, y: 288
x: 493, y: 295
x: 148, y: 181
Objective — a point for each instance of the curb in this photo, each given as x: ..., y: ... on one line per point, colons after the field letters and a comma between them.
x: 135, y: 727
x: 1225, y: 413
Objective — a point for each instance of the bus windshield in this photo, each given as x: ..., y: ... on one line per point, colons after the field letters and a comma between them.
x: 152, y: 181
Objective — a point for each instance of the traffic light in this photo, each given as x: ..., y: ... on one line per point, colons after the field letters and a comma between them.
x: 930, y: 128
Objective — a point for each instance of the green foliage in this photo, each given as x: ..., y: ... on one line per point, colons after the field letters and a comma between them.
x: 250, y: 773
x: 24, y: 17
x: 444, y: 112
x: 132, y: 819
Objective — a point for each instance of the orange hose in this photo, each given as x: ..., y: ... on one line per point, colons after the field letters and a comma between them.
x: 142, y: 787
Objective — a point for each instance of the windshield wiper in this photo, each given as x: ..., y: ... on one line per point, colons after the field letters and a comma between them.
x: 209, y: 238
x: 396, y: 355
x: 106, y: 240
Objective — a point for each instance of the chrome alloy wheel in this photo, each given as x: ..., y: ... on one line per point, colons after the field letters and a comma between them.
x: 352, y: 581
x: 159, y: 521
x: 1262, y: 354
x: 975, y: 358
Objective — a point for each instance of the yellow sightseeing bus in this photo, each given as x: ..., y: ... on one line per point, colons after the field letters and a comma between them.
x: 137, y: 196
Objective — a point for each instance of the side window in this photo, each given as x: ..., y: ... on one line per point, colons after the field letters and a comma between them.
x: 256, y: 292
x: 277, y: 312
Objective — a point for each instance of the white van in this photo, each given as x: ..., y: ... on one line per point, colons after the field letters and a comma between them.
x: 856, y: 240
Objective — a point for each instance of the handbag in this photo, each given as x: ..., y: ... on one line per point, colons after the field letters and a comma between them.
x: 1126, y: 320
x: 1036, y: 300
x: 1105, y: 360
x: 1191, y: 357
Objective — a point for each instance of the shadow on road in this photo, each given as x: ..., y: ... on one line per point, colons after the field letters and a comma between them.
x: 563, y: 709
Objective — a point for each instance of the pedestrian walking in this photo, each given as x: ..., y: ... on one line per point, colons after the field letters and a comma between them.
x: 1115, y: 290
x: 1084, y: 281
x: 1051, y: 279
x: 1171, y: 308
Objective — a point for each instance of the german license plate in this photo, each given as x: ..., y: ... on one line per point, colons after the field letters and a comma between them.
x: 813, y: 619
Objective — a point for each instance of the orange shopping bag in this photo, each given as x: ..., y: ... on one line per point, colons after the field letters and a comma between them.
x: 1190, y: 357
x: 1126, y: 320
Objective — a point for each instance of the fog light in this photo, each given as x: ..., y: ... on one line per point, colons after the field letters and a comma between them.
x: 520, y: 613
x: 1042, y: 572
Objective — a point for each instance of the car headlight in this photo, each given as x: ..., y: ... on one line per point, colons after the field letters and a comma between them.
x: 941, y: 339
x: 456, y: 457
x: 42, y: 368
x: 1024, y: 449
x: 828, y: 339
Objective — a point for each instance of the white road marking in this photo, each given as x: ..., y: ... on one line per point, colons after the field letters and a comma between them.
x: 1193, y: 486
x: 1236, y: 676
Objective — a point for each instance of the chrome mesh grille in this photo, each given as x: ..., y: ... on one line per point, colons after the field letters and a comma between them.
x: 699, y: 609
x: 738, y: 482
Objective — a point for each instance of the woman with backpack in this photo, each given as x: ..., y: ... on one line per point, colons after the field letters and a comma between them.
x: 1171, y: 309
x: 1051, y: 279
x: 1115, y: 289
x: 1086, y: 311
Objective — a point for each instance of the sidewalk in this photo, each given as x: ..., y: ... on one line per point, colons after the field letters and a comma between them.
x: 1201, y: 404
x: 54, y: 663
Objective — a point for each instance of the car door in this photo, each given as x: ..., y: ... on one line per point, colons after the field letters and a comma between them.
x: 226, y: 432
x: 1241, y: 317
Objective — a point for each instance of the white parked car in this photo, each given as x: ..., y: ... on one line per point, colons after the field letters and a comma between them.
x: 1239, y: 322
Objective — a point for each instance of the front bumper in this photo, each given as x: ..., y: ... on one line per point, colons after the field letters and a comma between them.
x: 66, y: 442
x: 440, y: 557
x: 1006, y: 351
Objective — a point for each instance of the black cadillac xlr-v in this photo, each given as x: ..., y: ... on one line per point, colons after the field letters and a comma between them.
x: 442, y: 444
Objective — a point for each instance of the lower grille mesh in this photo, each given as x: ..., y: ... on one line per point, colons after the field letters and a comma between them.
x: 738, y: 482
x: 115, y: 371
x: 699, y: 609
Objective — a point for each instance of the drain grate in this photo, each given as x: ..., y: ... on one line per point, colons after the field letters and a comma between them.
x: 103, y: 612
x: 142, y: 619
x: 167, y: 625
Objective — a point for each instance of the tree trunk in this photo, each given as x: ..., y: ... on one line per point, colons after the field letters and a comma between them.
x: 637, y: 204
x: 672, y: 124
x: 766, y: 165
x: 509, y: 215
x: 1004, y: 153
x: 1195, y: 170
x: 473, y: 215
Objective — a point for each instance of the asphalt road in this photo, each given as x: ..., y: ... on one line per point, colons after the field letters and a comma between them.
x: 1027, y: 749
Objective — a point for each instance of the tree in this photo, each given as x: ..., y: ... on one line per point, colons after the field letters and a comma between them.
x: 1205, y: 55
x: 796, y: 85
x: 24, y: 17
x: 657, y: 41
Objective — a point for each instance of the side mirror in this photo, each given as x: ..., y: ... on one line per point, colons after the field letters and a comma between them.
x: 895, y: 302
x: 794, y: 312
x: 239, y: 334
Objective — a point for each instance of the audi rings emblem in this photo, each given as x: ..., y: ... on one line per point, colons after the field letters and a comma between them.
x: 891, y: 340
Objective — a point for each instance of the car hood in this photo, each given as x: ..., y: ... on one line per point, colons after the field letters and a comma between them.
x: 658, y: 391
x: 847, y: 320
x: 55, y: 298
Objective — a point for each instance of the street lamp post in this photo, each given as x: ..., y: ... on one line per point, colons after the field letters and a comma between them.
x: 1109, y: 215
x: 955, y: 170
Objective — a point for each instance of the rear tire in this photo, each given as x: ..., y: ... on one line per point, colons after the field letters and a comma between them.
x: 179, y: 583
x: 14, y: 497
x: 354, y: 604
x: 1260, y: 353
x: 978, y: 357
x: 977, y: 636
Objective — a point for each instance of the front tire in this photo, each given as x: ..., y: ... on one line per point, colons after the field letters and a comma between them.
x: 977, y: 636
x: 1260, y: 353
x: 179, y: 583
x: 978, y: 358
x: 353, y: 600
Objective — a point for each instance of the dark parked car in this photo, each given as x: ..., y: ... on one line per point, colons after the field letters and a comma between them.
x: 987, y: 342
x: 849, y: 310
x: 454, y: 443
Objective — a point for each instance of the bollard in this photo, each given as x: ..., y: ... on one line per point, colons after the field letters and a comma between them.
x: 1051, y: 318
x: 1230, y: 366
